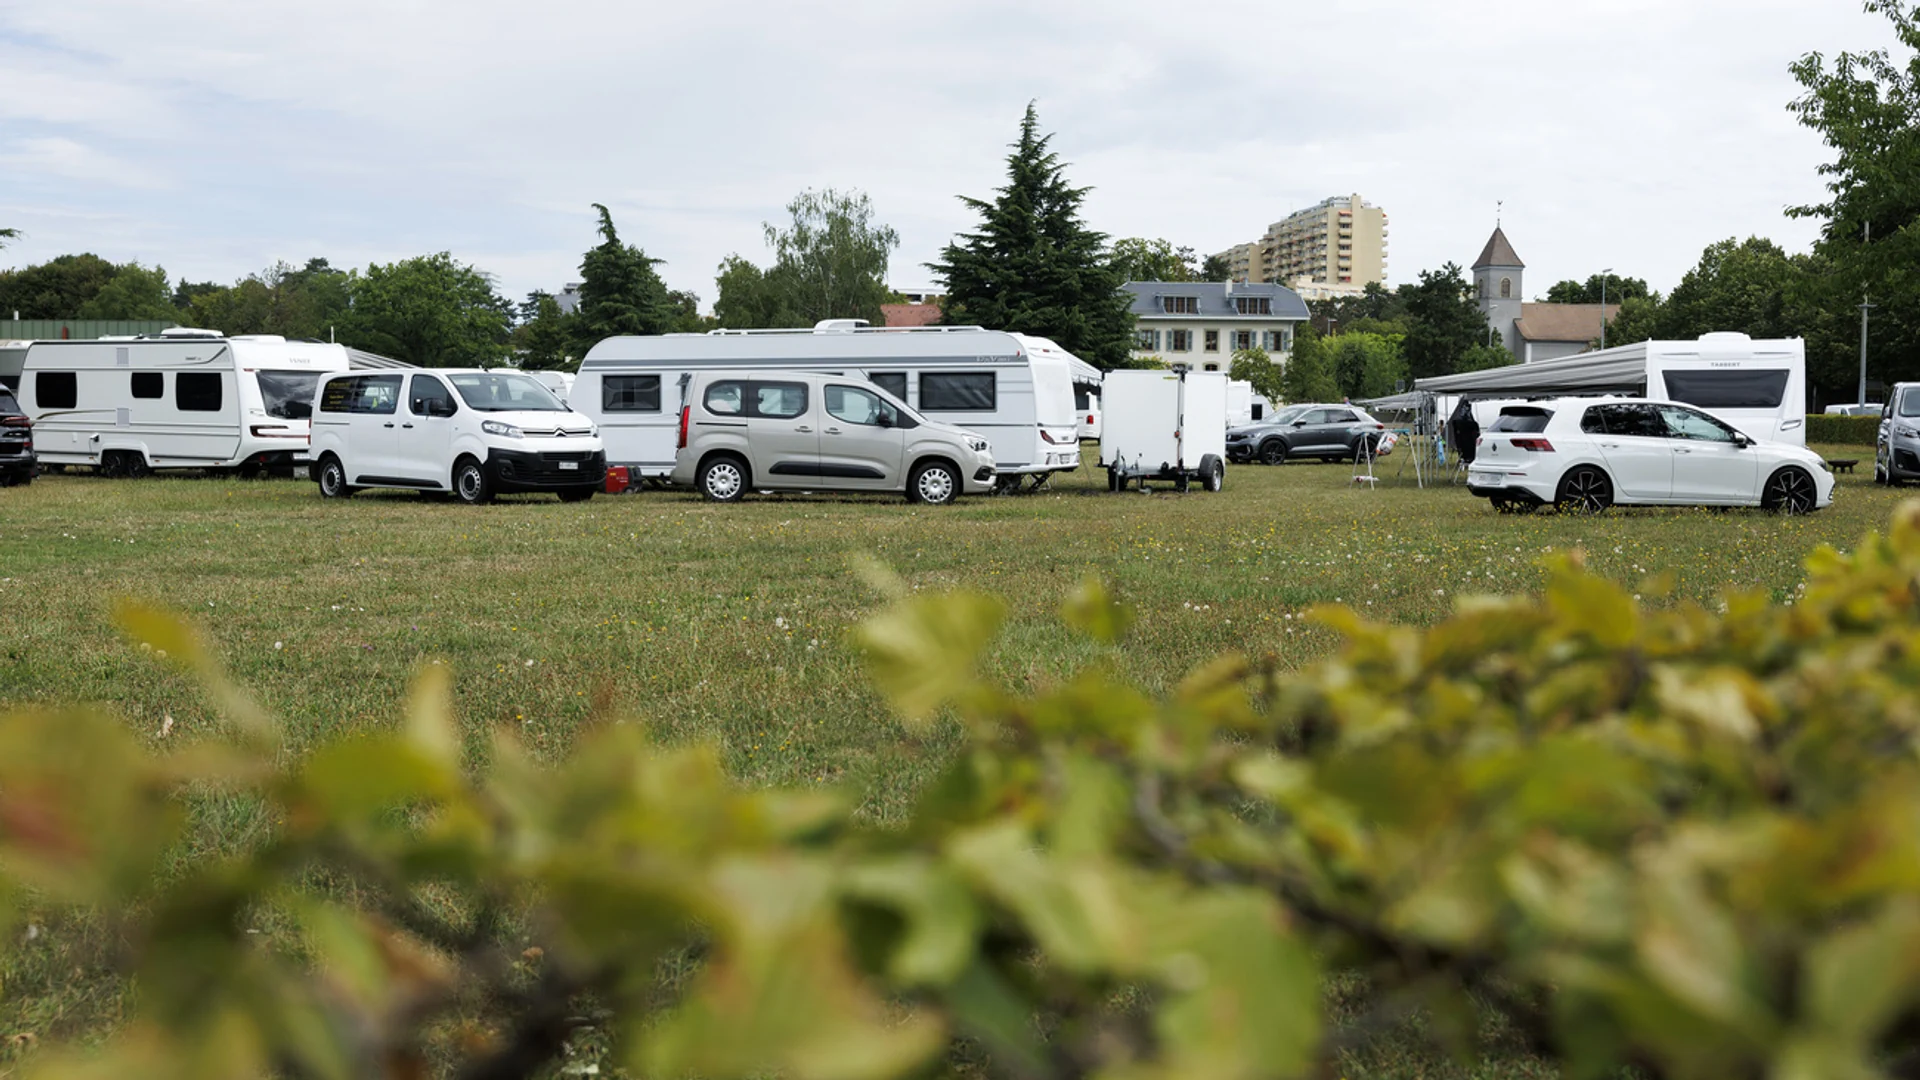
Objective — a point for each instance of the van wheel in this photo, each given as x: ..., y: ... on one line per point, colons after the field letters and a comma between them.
x: 934, y: 483
x: 722, y: 479
x: 1213, y: 474
x: 333, y: 479
x: 470, y: 482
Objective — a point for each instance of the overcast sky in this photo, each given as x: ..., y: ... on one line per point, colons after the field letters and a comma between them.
x: 217, y: 136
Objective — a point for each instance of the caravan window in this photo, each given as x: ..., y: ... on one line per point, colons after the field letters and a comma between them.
x: 630, y: 393
x: 149, y: 384
x: 286, y: 394
x: 893, y: 382
x: 957, y: 392
x: 1729, y: 389
x: 197, y: 391
x: 56, y: 389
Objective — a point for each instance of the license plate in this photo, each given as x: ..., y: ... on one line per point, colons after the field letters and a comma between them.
x: 568, y: 464
x: 1489, y: 480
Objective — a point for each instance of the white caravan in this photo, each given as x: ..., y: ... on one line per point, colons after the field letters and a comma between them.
x: 1760, y: 387
x: 179, y: 399
x: 1164, y: 425
x: 1015, y: 390
x: 1245, y: 405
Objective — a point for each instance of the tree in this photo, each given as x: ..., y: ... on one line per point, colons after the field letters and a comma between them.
x: 1616, y: 289
x: 540, y: 341
x: 1443, y: 321
x: 134, y: 292
x: 1741, y: 286
x: 751, y: 298
x: 1866, y: 107
x: 1366, y: 365
x: 1256, y: 367
x: 1136, y: 258
x: 1033, y: 267
x: 619, y: 291
x: 1216, y: 268
x: 686, y: 313
x: 1637, y: 320
x: 8, y: 235
x: 833, y: 256
x: 430, y: 310
x: 1481, y: 356
x: 56, y: 288
x: 1308, y: 373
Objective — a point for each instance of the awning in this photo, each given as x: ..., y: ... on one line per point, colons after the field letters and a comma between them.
x: 359, y: 359
x: 1622, y: 370
x: 1083, y: 372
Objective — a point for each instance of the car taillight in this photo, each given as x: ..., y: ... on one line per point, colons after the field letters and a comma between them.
x: 1089, y: 419
x: 686, y: 412
x: 1537, y: 445
x: 15, y: 421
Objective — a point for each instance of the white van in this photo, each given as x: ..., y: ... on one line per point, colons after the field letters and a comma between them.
x: 465, y: 432
x: 1015, y: 390
x: 178, y: 399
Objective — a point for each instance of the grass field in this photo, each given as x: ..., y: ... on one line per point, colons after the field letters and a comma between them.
x: 728, y: 623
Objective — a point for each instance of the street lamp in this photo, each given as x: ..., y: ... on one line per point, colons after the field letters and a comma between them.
x: 1604, y: 275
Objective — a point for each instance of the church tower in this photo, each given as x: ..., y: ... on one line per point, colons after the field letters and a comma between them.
x: 1496, y: 283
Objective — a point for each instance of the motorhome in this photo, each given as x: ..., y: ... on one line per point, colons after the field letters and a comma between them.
x: 1015, y: 390
x: 1758, y: 386
x: 178, y: 399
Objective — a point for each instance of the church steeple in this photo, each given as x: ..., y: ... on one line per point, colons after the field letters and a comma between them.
x: 1498, y: 252
x: 1497, y: 285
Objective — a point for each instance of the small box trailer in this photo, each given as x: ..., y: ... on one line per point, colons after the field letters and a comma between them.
x: 1164, y: 425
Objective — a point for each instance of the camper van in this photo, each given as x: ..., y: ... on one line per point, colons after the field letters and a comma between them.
x: 1758, y: 386
x: 178, y: 399
x: 1016, y: 391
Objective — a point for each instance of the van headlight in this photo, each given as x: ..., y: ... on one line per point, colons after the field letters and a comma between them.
x: 1905, y: 432
x: 497, y: 427
x: 977, y: 445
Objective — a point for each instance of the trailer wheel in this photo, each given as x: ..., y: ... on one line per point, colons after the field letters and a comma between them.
x: 1213, y: 474
x: 333, y: 479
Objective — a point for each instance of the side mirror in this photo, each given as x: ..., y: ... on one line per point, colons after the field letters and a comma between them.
x: 886, y: 418
x: 1740, y: 440
x: 1299, y: 423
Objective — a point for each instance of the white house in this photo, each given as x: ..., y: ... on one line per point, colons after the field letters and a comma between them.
x: 1202, y: 323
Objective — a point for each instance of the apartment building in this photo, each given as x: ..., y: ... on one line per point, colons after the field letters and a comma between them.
x: 1203, y: 323
x: 1338, y: 241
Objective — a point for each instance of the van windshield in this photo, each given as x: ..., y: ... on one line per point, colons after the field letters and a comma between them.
x: 288, y: 394
x: 1910, y: 402
x: 505, y: 393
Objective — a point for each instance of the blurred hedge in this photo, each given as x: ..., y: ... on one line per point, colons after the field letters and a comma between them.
x: 1846, y: 430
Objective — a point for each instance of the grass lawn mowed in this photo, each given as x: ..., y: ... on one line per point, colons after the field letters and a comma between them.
x: 729, y: 622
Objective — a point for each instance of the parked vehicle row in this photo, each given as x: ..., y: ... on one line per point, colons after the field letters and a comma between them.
x: 1587, y: 454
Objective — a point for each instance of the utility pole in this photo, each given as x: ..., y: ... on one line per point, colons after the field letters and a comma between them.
x: 1866, y: 237
x: 1604, y: 275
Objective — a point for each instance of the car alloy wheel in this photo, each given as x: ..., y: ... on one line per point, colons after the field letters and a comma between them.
x: 1273, y: 452
x: 1789, y: 491
x: 1585, y: 491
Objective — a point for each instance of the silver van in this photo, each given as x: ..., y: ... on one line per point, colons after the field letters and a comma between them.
x: 1896, y: 452
x: 746, y: 431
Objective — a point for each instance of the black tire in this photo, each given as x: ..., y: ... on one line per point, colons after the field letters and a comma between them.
x: 723, y: 478
x: 1789, y: 491
x: 935, y: 483
x: 579, y: 494
x: 1273, y: 452
x: 112, y: 465
x: 136, y: 465
x: 332, y: 477
x: 1213, y: 473
x: 1113, y: 479
x: 1584, y: 490
x: 470, y: 483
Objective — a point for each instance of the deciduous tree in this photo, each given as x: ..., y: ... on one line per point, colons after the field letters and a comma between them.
x: 1443, y: 321
x: 134, y: 292
x: 54, y: 289
x: 1614, y: 289
x: 1136, y: 258
x: 1308, y: 372
x: 431, y: 310
x: 542, y: 338
x: 1256, y: 367
x: 1033, y: 266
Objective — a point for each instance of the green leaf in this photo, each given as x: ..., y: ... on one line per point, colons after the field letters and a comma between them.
x: 922, y: 651
x: 1092, y: 610
x: 941, y: 918
x: 430, y: 725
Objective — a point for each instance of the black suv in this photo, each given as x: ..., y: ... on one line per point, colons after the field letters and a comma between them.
x: 16, y: 442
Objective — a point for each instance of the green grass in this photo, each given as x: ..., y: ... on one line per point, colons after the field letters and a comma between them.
x: 729, y: 623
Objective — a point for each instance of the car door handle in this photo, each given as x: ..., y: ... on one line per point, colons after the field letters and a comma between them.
x: 803, y: 427
x: 402, y: 425
x: 387, y: 424
x: 833, y: 431
x: 1681, y: 450
x: 1609, y: 446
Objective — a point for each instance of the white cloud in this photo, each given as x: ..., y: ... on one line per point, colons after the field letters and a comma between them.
x: 1631, y: 133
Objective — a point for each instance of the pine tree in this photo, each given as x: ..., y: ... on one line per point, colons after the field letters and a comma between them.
x: 619, y: 291
x: 1033, y: 267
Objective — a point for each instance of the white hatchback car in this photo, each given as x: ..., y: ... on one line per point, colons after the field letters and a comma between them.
x: 468, y: 433
x: 1589, y: 453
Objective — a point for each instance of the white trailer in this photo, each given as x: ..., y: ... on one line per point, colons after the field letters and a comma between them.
x: 1758, y: 386
x: 1245, y: 405
x: 1015, y: 390
x: 178, y: 399
x: 1164, y: 425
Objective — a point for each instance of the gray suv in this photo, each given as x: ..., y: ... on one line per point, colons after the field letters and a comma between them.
x: 1896, y: 452
x: 1329, y: 432
x: 16, y: 442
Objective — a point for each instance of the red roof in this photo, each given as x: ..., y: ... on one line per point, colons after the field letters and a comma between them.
x: 910, y: 314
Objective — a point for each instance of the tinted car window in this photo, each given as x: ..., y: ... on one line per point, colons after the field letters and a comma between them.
x: 337, y: 395
x: 630, y: 393
x: 1342, y: 416
x: 893, y: 382
x: 1741, y: 389
x: 148, y: 384
x: 430, y: 397
x: 1522, y: 420
x: 779, y: 401
x: 56, y: 389
x: 1633, y: 420
x: 197, y: 391
x: 1687, y: 424
x: 378, y: 395
x: 957, y: 392
x: 726, y: 398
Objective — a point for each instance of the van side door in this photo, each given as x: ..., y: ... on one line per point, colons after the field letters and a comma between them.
x: 372, y: 436
x: 861, y: 440
x: 424, y: 447
x: 783, y: 433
